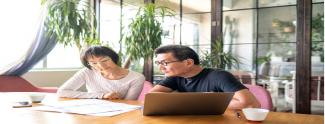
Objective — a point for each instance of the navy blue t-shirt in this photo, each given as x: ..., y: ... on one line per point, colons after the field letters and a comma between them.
x: 208, y: 80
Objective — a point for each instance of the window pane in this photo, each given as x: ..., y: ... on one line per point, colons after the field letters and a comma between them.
x: 171, y: 4
x: 316, y: 1
x: 276, y: 71
x: 110, y: 23
x: 171, y: 30
x: 277, y: 24
x: 317, y: 58
x: 64, y: 57
x: 133, y: 2
x: 196, y: 29
x: 276, y: 59
x: 318, y: 33
x: 196, y: 6
x: 269, y: 3
x: 130, y: 9
x: 137, y: 65
x: 245, y: 53
x: 238, y: 4
x: 39, y: 65
x: 171, y: 24
x: 239, y: 26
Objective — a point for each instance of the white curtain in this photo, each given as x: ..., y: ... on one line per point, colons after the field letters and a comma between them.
x: 39, y: 44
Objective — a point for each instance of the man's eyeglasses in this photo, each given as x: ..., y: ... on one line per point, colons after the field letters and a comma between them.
x: 164, y: 63
x: 99, y: 62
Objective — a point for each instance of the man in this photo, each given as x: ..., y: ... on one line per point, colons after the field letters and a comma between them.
x: 184, y: 74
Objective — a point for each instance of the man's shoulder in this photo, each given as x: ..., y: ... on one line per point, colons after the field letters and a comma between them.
x: 174, y: 78
x: 216, y: 72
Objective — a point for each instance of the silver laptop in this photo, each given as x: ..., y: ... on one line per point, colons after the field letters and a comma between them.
x: 186, y: 103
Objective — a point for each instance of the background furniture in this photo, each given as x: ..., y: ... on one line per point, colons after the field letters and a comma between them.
x: 245, y: 77
x: 317, y: 94
x: 146, y: 87
x: 18, y: 84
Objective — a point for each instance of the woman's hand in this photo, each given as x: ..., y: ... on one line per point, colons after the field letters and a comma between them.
x: 112, y: 96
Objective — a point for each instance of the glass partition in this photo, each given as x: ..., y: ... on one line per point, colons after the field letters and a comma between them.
x: 270, y: 3
x: 110, y: 23
x: 317, y: 58
x: 239, y: 27
x: 196, y: 6
x: 238, y: 4
x: 193, y: 29
x: 263, y: 37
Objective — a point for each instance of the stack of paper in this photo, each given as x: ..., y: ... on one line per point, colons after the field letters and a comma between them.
x: 88, y: 107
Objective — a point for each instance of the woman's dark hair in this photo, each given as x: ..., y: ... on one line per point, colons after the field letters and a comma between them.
x: 180, y: 52
x: 98, y: 51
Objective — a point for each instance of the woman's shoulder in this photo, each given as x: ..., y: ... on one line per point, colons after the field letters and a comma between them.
x: 135, y: 74
x: 86, y: 71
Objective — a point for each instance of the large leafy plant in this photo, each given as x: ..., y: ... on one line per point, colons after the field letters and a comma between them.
x: 73, y: 22
x: 145, y: 32
x: 217, y: 58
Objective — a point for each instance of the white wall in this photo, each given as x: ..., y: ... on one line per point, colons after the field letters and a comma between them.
x: 245, y: 30
x: 205, y: 31
x: 51, y: 78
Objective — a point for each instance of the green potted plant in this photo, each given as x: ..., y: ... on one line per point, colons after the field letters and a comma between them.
x: 275, y: 23
x: 288, y: 27
x: 264, y: 59
x: 217, y: 58
x: 284, y: 26
x: 73, y: 22
x: 317, y: 29
x: 145, y: 32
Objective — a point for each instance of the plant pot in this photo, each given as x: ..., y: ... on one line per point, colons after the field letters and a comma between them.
x: 275, y: 24
x: 288, y: 29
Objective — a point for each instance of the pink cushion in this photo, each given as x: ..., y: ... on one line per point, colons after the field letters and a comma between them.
x: 146, y: 87
x: 18, y: 84
x: 262, y: 95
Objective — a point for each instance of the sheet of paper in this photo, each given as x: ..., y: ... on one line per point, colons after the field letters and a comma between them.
x: 88, y: 107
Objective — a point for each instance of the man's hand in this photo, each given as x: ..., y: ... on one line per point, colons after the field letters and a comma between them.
x: 160, y: 88
x: 243, y: 99
x: 112, y: 96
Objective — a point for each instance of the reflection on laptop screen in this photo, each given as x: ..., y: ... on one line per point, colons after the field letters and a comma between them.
x: 186, y: 103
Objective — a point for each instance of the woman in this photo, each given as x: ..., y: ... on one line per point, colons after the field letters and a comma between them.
x: 103, y: 78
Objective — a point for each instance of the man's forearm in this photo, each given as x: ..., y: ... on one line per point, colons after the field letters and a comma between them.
x: 237, y: 104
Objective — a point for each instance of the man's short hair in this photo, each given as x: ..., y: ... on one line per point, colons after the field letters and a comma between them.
x: 98, y: 51
x: 179, y: 52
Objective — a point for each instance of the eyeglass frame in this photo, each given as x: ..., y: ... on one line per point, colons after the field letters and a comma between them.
x: 164, y: 63
x: 92, y: 64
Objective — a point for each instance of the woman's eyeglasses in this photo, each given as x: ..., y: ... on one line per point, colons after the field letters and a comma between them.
x: 99, y: 62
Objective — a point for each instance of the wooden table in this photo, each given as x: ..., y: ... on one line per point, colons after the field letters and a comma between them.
x: 9, y: 115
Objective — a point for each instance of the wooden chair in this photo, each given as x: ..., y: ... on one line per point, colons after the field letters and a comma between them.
x: 245, y: 77
x: 317, y: 88
x: 18, y: 84
x: 146, y: 87
x: 316, y: 91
